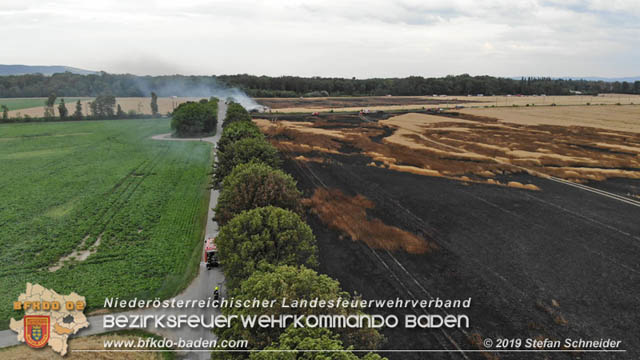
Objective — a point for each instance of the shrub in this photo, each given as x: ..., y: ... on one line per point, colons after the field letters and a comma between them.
x: 263, y: 236
x: 254, y: 185
x: 292, y: 282
x: 195, y: 118
x: 102, y: 106
x: 237, y: 131
x: 236, y: 112
x: 242, y: 152
x: 309, y: 339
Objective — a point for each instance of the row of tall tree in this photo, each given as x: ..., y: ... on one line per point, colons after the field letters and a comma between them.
x: 68, y: 84
x: 267, y: 250
x: 287, y: 86
x: 101, y: 108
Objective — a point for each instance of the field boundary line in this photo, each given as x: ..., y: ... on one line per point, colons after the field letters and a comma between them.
x: 597, y: 191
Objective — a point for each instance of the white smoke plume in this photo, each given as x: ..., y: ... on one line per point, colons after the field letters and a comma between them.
x: 187, y: 86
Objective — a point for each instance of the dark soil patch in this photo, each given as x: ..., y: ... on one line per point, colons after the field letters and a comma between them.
x: 512, y: 251
x: 387, y: 132
x: 608, y: 151
x: 364, y: 102
x: 556, y: 263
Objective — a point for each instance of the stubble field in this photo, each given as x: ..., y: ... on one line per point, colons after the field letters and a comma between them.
x: 34, y: 107
x: 400, y: 103
x: 456, y: 205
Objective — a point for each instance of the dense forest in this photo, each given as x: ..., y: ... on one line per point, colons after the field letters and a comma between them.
x: 68, y: 84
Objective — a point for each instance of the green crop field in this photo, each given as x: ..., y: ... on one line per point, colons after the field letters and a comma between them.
x: 26, y: 103
x: 66, y: 185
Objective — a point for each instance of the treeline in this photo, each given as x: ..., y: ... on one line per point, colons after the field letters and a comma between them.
x: 267, y: 250
x: 68, y: 84
x: 290, y: 86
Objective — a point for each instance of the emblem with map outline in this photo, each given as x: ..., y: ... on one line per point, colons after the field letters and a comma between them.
x: 52, y: 327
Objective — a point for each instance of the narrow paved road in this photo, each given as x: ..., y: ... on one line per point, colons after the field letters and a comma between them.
x: 200, y: 288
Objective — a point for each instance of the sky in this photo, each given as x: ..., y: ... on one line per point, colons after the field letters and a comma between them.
x: 362, y: 39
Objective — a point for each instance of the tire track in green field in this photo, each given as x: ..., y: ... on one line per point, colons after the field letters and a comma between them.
x: 153, y: 163
x: 101, y: 214
x: 56, y: 165
x: 122, y: 195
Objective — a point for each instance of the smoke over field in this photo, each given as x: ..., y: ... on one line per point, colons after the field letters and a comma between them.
x: 172, y: 91
x: 195, y: 87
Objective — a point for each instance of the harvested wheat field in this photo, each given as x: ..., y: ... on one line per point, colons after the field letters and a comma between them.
x: 355, y: 103
x: 618, y: 118
x: 140, y: 105
x: 481, y: 149
x: 23, y: 352
x: 397, y: 103
x: 453, y: 205
x: 502, y: 101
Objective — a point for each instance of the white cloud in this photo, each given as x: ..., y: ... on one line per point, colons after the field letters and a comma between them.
x: 326, y: 37
x: 626, y: 6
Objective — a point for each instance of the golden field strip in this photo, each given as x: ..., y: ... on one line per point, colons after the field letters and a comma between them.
x: 619, y: 118
x: 141, y: 105
x: 448, y: 102
x: 577, y: 143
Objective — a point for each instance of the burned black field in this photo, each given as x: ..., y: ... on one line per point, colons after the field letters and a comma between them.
x: 557, y: 262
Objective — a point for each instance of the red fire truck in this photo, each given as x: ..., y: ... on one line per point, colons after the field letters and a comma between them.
x: 210, y: 253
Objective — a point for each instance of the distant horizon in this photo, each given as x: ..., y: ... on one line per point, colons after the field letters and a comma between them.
x: 585, y: 77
